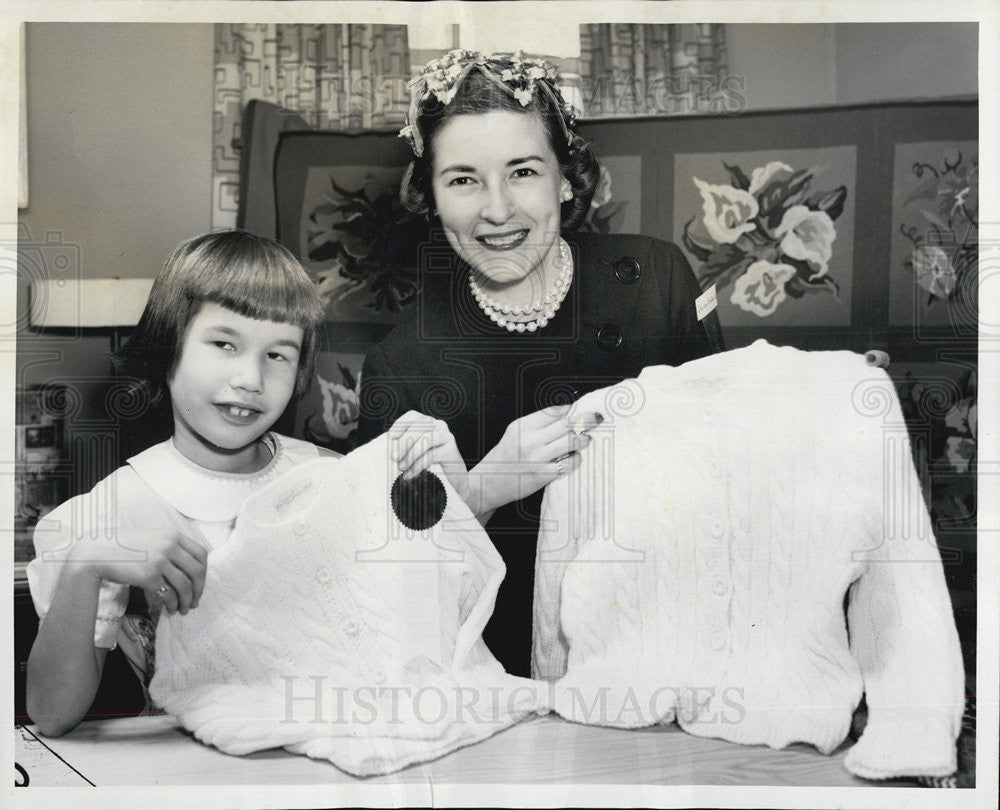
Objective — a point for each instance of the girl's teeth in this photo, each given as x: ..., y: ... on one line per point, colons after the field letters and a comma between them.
x: 239, y: 411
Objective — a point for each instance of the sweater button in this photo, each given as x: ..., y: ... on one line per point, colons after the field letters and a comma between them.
x: 323, y: 574
x: 300, y: 527
x: 718, y: 641
x: 351, y: 627
x: 609, y: 337
x: 720, y: 586
x: 627, y: 270
x: 378, y: 676
x: 717, y: 528
x: 714, y: 468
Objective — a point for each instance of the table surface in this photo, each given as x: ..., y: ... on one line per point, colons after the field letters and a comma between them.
x: 545, y: 750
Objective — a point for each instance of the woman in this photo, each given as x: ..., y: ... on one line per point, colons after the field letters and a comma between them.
x: 518, y: 315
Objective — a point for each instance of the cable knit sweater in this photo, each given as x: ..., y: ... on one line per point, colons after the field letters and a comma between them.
x: 695, y: 567
x: 329, y: 628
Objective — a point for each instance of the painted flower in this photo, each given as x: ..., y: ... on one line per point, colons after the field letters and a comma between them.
x: 934, y: 270
x: 962, y: 417
x: 762, y: 287
x: 340, y: 410
x: 729, y: 211
x: 762, y: 176
x: 807, y: 235
x: 959, y: 451
x: 602, y: 195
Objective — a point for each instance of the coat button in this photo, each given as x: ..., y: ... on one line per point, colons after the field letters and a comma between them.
x: 323, y: 575
x: 718, y: 641
x: 300, y: 527
x: 609, y: 337
x: 720, y: 586
x: 627, y: 270
x: 717, y: 528
x: 351, y: 627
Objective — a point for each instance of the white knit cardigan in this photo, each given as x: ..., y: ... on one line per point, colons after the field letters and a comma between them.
x: 695, y: 567
x: 329, y: 628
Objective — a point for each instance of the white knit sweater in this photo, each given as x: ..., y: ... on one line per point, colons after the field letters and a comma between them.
x: 695, y: 567
x: 329, y: 628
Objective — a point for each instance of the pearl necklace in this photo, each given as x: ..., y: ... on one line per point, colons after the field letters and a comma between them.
x: 535, y: 315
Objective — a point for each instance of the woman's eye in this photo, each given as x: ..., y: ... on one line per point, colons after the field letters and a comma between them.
x: 525, y: 172
x: 460, y: 181
x: 223, y: 344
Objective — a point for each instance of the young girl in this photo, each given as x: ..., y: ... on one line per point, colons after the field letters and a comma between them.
x: 229, y: 334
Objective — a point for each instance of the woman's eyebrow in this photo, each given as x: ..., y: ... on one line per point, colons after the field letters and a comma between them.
x: 458, y: 167
x: 527, y: 159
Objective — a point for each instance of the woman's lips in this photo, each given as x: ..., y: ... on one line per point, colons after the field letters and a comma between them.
x: 505, y: 241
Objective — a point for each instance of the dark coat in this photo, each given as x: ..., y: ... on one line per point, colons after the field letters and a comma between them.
x: 631, y: 305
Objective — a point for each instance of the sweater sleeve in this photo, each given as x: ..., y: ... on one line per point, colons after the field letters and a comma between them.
x: 902, y: 632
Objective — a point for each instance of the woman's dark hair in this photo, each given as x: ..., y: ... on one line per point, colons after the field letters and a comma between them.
x: 249, y: 274
x: 477, y: 94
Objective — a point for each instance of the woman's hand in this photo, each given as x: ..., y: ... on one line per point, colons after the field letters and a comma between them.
x: 168, y: 564
x: 417, y: 441
x: 533, y: 451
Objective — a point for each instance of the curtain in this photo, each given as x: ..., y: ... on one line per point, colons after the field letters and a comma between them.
x: 631, y: 69
x: 334, y: 76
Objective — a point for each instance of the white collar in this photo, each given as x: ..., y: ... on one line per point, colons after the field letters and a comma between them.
x: 199, y: 493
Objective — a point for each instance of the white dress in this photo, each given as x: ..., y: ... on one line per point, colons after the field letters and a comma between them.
x: 156, y: 488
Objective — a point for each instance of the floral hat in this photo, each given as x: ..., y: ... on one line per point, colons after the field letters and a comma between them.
x: 517, y: 75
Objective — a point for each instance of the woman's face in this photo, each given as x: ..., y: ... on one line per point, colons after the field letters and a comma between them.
x: 497, y: 188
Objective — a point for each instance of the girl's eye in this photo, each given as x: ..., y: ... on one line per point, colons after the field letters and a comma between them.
x: 525, y: 172
x: 277, y: 356
x: 223, y: 344
x: 464, y: 180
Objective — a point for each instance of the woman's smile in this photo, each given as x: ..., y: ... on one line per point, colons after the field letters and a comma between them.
x: 498, y: 189
x: 507, y: 241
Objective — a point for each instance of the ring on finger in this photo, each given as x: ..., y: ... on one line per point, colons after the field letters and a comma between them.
x: 163, y: 590
x: 559, y: 466
x: 579, y: 428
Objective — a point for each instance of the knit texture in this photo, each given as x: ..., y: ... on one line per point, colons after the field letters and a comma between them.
x: 330, y: 629
x: 704, y: 580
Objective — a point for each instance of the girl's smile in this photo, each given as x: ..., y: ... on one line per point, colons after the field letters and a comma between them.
x: 232, y: 382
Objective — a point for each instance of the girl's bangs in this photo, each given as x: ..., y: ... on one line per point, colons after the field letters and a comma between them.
x: 276, y: 293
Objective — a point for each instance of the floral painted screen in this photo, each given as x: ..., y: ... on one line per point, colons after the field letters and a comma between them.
x: 935, y: 223
x: 616, y: 207
x: 359, y: 242
x: 773, y: 230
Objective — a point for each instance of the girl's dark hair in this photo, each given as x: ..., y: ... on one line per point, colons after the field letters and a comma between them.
x: 249, y: 274
x: 477, y: 94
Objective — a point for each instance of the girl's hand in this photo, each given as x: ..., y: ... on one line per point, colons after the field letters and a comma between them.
x: 167, y: 564
x: 417, y: 441
x: 533, y: 451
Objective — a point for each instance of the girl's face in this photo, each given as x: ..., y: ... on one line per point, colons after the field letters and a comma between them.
x: 497, y: 188
x: 234, y: 377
